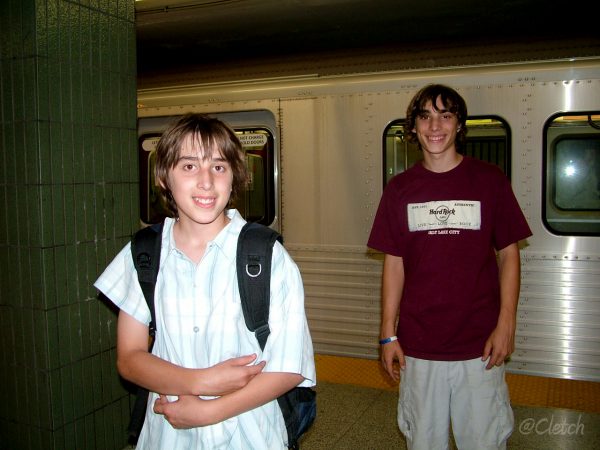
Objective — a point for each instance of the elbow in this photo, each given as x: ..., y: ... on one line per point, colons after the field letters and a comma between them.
x: 124, y: 367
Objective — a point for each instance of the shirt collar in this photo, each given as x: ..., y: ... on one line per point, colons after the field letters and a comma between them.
x: 225, y: 241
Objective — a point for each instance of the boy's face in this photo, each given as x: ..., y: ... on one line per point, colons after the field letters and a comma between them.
x: 436, y: 130
x: 201, y: 187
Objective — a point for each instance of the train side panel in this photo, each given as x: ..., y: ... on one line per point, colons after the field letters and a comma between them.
x: 331, y: 134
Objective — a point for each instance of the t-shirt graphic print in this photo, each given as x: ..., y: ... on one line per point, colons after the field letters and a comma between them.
x: 437, y: 215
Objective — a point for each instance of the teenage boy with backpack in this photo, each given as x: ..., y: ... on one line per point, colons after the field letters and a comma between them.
x: 208, y: 388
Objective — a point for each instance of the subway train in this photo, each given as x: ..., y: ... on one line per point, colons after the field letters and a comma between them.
x: 321, y: 149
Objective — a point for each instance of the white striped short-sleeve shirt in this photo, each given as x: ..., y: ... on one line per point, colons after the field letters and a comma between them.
x: 200, y: 323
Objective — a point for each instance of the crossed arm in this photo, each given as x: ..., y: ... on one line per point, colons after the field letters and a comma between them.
x: 241, y: 387
x: 137, y: 365
x: 190, y: 411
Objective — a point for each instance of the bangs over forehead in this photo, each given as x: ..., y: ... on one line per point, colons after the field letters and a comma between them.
x: 204, y: 138
x: 447, y: 97
x: 201, y: 145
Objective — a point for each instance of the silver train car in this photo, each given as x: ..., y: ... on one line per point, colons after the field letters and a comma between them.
x: 321, y: 149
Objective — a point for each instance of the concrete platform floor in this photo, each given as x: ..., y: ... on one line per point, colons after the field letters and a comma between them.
x: 363, y: 418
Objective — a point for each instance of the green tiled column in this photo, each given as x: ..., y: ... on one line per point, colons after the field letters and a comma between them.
x: 69, y: 201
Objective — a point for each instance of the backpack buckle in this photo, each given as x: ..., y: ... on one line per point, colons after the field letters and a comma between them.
x: 262, y: 333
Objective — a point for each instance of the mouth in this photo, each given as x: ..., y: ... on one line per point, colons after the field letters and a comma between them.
x: 436, y: 138
x: 204, y: 202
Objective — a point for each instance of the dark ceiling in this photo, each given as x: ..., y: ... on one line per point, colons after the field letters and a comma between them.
x: 226, y: 39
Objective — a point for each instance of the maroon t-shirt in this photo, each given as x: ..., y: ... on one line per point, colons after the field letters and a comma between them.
x: 446, y: 227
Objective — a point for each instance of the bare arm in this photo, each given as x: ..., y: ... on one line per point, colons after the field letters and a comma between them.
x: 190, y: 412
x: 501, y: 342
x: 393, y: 284
x: 136, y: 364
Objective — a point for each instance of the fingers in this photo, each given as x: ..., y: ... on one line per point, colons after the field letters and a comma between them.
x: 494, y: 352
x: 393, y: 372
x: 487, y: 349
x: 257, y: 368
x: 498, y: 347
x: 159, y: 404
x: 246, y: 362
x: 388, y: 358
x: 494, y: 362
x: 496, y: 358
x: 402, y: 361
x: 243, y: 360
x: 488, y: 355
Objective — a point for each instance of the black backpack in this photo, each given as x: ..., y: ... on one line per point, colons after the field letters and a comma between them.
x: 253, y: 265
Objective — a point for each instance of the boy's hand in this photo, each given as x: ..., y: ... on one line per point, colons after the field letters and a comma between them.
x: 188, y: 411
x: 230, y: 375
x: 390, y: 353
x: 499, y: 345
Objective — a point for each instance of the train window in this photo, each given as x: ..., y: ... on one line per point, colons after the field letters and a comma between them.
x: 488, y: 139
x: 259, y: 200
x: 571, y: 183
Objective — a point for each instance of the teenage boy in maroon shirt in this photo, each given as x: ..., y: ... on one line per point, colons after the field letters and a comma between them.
x: 449, y: 228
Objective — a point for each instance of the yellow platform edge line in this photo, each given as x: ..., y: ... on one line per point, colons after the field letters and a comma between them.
x: 525, y: 390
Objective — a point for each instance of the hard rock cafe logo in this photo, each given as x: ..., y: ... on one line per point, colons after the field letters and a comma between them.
x: 442, y: 213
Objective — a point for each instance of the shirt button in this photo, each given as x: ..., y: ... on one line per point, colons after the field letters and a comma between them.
x: 196, y: 329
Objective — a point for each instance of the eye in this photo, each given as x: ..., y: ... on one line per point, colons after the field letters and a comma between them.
x: 220, y: 168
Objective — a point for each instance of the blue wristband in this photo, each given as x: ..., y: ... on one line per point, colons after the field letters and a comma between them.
x: 388, y: 340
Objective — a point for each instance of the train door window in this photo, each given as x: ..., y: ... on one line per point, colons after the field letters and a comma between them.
x: 488, y: 139
x: 571, y: 184
x: 258, y: 203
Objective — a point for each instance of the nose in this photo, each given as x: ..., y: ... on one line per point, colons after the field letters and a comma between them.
x: 435, y: 122
x: 205, y: 178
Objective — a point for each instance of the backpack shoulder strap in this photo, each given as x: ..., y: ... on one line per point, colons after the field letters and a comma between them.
x: 145, y: 250
x: 253, y: 265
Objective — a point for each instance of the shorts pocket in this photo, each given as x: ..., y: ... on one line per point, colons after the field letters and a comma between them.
x: 405, y: 415
x: 505, y: 419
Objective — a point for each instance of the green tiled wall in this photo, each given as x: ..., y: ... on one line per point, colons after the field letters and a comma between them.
x: 69, y: 200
